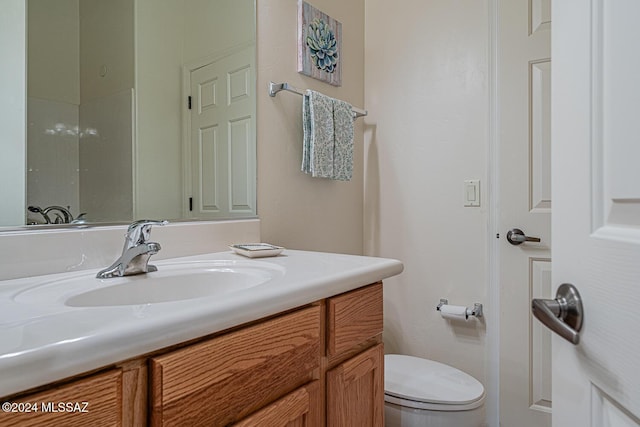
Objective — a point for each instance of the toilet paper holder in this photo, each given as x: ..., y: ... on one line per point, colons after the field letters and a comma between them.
x: 475, y: 311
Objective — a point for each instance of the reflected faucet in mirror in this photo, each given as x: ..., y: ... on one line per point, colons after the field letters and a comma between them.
x: 136, y: 251
x: 65, y: 218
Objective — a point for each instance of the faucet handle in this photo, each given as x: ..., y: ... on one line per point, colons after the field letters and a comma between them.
x: 139, y: 231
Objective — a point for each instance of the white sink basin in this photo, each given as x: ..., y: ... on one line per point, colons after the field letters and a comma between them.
x: 172, y: 282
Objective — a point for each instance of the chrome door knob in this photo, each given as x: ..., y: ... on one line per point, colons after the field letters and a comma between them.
x: 515, y: 236
x: 563, y: 315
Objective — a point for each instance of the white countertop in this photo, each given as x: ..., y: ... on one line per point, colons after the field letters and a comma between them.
x: 47, y: 341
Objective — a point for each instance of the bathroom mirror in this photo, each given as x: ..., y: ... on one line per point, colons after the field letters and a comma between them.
x: 138, y: 108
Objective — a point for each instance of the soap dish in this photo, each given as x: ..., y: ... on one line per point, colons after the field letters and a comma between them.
x: 256, y: 250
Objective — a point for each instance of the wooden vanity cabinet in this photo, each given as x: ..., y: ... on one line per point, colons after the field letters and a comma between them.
x: 320, y: 365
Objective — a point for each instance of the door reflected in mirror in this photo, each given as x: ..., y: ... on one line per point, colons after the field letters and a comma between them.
x: 140, y: 108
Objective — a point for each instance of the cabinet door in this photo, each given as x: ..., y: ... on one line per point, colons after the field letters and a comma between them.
x: 300, y: 408
x: 94, y: 401
x: 355, y: 391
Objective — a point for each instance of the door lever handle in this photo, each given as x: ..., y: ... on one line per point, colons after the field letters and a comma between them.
x: 515, y: 236
x: 563, y: 315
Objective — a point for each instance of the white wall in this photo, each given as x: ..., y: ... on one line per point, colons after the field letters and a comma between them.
x: 426, y: 86
x: 13, y: 112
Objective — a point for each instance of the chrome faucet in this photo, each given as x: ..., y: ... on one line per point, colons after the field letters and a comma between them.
x: 65, y: 218
x: 37, y: 209
x: 59, y: 220
x: 136, y: 251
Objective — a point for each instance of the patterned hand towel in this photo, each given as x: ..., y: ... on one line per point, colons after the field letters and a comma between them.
x: 343, y: 140
x: 327, y: 150
x: 318, y: 148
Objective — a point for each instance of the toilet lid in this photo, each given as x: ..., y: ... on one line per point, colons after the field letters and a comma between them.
x: 427, y: 381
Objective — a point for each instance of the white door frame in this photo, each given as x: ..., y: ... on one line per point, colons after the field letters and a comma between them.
x: 493, y: 249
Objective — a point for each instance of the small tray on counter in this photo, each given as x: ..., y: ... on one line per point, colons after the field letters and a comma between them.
x: 256, y: 250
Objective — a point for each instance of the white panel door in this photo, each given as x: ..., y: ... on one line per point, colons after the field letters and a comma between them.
x: 524, y: 101
x: 222, y: 133
x: 596, y: 222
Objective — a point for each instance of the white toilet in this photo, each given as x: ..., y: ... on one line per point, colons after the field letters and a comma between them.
x: 423, y: 393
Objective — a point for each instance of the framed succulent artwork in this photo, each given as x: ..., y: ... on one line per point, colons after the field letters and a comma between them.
x: 319, y: 45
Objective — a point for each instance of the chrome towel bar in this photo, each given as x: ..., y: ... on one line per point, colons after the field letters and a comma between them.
x: 274, y: 88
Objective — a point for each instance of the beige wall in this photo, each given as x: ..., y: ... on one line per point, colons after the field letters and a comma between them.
x: 106, y: 38
x: 426, y: 92
x: 298, y: 211
x: 54, y: 50
x: 158, y: 171
x: 216, y: 26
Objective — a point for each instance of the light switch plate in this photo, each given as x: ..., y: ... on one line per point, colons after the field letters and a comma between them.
x: 472, y: 193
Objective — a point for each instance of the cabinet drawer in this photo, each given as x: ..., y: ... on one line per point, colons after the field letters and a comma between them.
x: 222, y: 380
x: 300, y: 408
x: 353, y: 318
x: 93, y: 401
